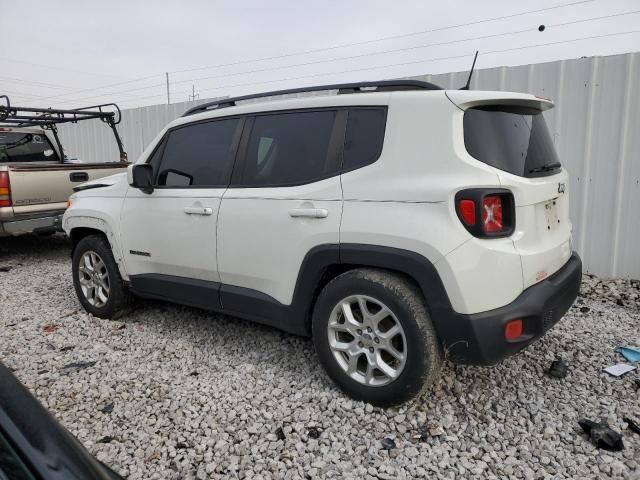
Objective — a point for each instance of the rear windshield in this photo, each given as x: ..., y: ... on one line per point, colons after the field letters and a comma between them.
x: 512, y: 139
x: 16, y: 147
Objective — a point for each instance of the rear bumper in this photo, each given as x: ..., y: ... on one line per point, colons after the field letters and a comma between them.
x: 48, y: 224
x: 479, y: 338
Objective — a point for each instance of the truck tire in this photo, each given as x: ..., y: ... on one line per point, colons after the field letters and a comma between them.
x: 374, y: 336
x: 97, y: 280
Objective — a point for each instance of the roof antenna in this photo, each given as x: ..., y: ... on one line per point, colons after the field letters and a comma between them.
x: 466, y: 87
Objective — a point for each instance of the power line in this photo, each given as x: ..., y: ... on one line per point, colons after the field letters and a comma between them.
x: 138, y: 79
x: 111, y: 93
x: 21, y: 94
x: 423, y: 61
x: 362, y: 55
x: 53, y: 85
x: 66, y: 69
x: 403, y: 63
x: 382, y: 39
x: 152, y: 96
x: 46, y: 85
x: 397, y: 50
x: 364, y: 42
x: 159, y: 95
x: 37, y: 84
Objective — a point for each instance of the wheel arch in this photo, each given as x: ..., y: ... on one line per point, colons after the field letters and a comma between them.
x: 326, y: 262
x: 81, y: 227
x: 79, y: 233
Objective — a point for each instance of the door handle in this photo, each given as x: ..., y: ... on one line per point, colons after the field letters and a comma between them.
x: 198, y: 210
x: 78, y: 176
x: 309, y: 212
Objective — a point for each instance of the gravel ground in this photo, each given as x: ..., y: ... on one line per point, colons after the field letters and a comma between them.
x: 179, y: 393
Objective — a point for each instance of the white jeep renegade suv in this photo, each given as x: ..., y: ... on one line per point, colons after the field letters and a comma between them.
x: 395, y: 222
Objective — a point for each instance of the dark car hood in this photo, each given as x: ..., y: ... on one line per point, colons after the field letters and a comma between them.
x: 44, y: 445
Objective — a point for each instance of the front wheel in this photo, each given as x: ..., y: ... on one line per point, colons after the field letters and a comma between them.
x: 97, y: 280
x: 374, y: 336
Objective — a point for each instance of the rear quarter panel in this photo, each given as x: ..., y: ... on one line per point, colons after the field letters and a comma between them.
x: 406, y: 200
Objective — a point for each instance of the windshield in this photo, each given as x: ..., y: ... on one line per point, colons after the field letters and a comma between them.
x: 513, y: 139
x: 16, y: 147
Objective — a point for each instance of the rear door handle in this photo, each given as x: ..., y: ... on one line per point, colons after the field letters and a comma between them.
x: 309, y: 212
x: 198, y: 210
x: 78, y: 176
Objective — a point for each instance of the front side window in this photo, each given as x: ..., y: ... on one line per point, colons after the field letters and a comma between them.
x: 289, y: 148
x: 364, y: 137
x: 513, y: 139
x: 197, y: 155
x: 16, y: 147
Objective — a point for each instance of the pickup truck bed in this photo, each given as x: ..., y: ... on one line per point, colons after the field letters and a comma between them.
x: 38, y: 193
x: 36, y: 176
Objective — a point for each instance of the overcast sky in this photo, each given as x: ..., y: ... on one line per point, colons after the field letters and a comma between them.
x: 80, y: 52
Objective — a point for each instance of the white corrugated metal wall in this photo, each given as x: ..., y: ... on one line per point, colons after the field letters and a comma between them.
x: 92, y: 141
x: 596, y: 127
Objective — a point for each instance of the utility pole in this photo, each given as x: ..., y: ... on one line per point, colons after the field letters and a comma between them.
x: 168, y: 96
x: 193, y: 95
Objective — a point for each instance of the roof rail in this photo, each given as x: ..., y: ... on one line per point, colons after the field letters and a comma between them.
x: 379, y: 86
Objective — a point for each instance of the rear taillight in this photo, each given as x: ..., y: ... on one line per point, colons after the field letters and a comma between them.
x: 492, y: 214
x: 467, y: 209
x: 5, y: 190
x: 486, y: 212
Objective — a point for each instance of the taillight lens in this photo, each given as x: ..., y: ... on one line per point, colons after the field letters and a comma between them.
x: 467, y: 209
x: 492, y: 214
x: 5, y: 190
x: 486, y: 212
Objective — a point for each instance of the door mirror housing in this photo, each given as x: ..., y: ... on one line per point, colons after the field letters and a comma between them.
x: 141, y: 177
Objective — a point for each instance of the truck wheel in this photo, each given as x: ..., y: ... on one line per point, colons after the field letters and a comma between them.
x: 373, y: 334
x: 97, y: 280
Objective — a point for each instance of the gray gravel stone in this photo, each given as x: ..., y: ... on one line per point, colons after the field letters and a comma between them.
x: 507, y: 421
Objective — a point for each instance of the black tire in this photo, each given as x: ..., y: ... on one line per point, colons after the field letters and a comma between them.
x: 423, y: 355
x: 120, y: 298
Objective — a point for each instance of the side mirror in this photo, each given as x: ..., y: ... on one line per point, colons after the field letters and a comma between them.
x: 141, y: 177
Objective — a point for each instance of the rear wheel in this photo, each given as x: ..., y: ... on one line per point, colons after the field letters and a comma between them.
x: 374, y: 336
x: 97, y: 280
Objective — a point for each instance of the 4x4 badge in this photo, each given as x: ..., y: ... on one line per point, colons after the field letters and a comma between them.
x: 561, y: 188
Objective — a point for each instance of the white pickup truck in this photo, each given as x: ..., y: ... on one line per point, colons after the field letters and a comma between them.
x: 36, y: 178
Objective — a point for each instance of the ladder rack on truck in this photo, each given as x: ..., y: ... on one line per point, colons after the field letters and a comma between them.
x: 49, y: 118
x: 36, y: 177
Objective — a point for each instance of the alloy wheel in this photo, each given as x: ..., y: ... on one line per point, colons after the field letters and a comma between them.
x: 367, y: 340
x: 94, y: 279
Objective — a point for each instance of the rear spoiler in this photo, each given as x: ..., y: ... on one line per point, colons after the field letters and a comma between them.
x: 465, y: 99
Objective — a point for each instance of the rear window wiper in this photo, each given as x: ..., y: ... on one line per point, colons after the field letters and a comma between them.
x: 547, y: 167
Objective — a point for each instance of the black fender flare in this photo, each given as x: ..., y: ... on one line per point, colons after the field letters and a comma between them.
x: 347, y: 256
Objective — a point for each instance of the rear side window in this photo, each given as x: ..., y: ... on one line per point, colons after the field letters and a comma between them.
x: 289, y: 148
x: 515, y: 140
x: 198, y: 155
x: 17, y: 147
x: 364, y: 137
